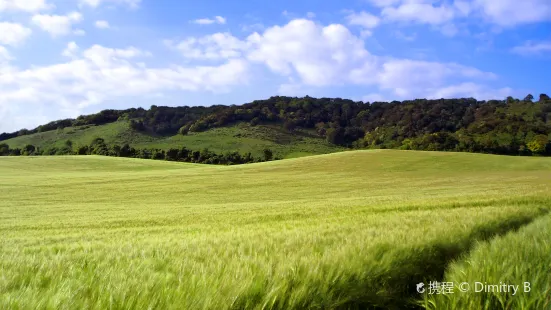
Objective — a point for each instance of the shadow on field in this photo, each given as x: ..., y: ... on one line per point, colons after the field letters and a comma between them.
x: 391, y: 282
x: 397, y: 288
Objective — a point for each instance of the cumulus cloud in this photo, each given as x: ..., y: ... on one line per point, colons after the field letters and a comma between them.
x: 331, y: 55
x: 439, y: 15
x: 99, y: 73
x: 413, y: 78
x: 313, y: 55
x: 318, y: 55
x: 509, y: 13
x: 79, y: 32
x: 213, y: 47
x: 424, y: 13
x: 309, y: 55
x: 57, y: 25
x: 96, y: 3
x: 364, y: 19
x: 469, y: 89
x: 253, y: 27
x: 400, y: 35
x: 207, y: 21
x: 505, y: 13
x: 5, y: 56
x: 102, y: 24
x: 13, y: 33
x: 374, y: 97
x: 71, y: 50
x: 463, y: 8
x: 533, y: 48
x: 30, y: 6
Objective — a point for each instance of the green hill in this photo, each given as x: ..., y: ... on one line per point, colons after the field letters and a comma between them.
x: 242, y: 138
x: 304, y: 126
x: 346, y: 230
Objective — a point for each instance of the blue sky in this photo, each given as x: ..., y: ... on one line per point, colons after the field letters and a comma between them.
x: 64, y: 58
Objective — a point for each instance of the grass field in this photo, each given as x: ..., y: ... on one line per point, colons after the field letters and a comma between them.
x: 242, y: 138
x: 344, y: 230
x: 492, y: 262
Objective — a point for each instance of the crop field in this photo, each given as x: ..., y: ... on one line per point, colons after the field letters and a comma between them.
x: 349, y: 230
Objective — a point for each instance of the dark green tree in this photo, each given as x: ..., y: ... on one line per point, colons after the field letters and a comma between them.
x: 172, y: 155
x: 98, y: 147
x: 4, y: 149
x: 268, y: 154
x: 335, y: 136
x: 126, y: 151
x: 28, y: 150
x: 83, y: 150
x: 116, y: 150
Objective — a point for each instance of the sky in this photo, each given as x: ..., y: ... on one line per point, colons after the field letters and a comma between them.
x: 65, y: 58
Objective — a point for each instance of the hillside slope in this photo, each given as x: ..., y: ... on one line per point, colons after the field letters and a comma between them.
x: 242, y: 138
x: 345, y: 230
x: 509, y: 127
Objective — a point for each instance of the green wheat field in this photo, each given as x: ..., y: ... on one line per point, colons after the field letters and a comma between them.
x: 349, y: 230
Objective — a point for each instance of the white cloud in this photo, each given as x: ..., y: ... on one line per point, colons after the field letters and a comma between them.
x: 374, y: 97
x: 207, y: 21
x: 424, y: 13
x: 318, y: 55
x: 331, y: 55
x: 470, y: 89
x: 505, y: 13
x: 439, y: 15
x: 309, y: 55
x: 292, y: 90
x: 364, y: 19
x: 253, y: 27
x: 71, y: 50
x: 102, y: 56
x: 23, y: 5
x: 313, y: 55
x: 414, y: 78
x: 12, y: 33
x: 400, y: 35
x: 365, y: 33
x: 311, y: 15
x: 96, y: 3
x: 57, y: 25
x: 101, y: 73
x: 513, y: 12
x: 213, y: 47
x: 531, y: 48
x: 5, y: 56
x: 464, y: 8
x: 102, y: 24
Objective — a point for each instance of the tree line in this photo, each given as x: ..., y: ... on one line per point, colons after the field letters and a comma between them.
x: 99, y: 147
x: 510, y: 126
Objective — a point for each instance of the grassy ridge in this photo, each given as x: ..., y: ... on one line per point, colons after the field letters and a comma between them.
x: 350, y: 229
x: 242, y: 138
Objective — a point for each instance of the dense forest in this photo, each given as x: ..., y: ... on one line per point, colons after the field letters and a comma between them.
x: 510, y: 126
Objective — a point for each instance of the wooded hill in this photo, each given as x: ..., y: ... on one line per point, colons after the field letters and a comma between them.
x: 510, y: 126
